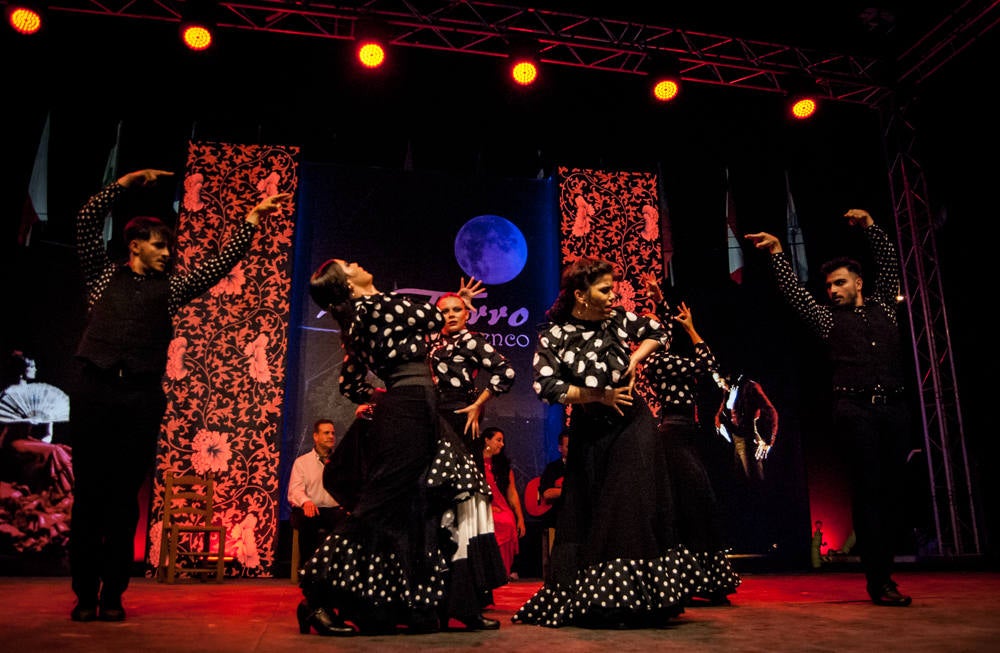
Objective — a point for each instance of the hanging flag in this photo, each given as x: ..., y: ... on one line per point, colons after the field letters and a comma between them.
x: 110, y: 175
x: 666, y: 229
x: 733, y: 243
x: 36, y: 205
x: 796, y: 244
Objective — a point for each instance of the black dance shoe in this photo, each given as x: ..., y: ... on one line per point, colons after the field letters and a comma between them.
x: 889, y: 595
x: 83, y: 613
x: 474, y: 623
x: 422, y: 622
x: 322, y: 622
x: 111, y: 613
x: 707, y: 600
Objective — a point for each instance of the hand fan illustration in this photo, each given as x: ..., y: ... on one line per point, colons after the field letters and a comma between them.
x: 34, y: 402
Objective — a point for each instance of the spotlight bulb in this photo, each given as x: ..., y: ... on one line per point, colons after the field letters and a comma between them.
x: 371, y: 54
x: 197, y: 37
x: 524, y: 72
x: 666, y: 90
x: 24, y: 20
x: 803, y: 108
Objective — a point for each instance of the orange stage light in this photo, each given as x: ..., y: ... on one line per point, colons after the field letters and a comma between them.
x: 24, y: 19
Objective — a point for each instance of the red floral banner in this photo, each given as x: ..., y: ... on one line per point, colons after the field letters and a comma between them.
x: 615, y: 216
x: 226, y: 364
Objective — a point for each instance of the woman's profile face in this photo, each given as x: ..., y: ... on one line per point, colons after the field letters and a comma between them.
x: 495, y: 442
x: 355, y: 273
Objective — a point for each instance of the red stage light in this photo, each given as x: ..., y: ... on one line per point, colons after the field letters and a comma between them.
x: 196, y: 36
x: 665, y: 89
x: 803, y: 107
x: 24, y: 19
x: 197, y: 29
x: 371, y: 54
x: 524, y: 72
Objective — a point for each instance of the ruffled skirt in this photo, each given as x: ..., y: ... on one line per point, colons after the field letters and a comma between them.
x: 616, y: 560
x: 412, y: 546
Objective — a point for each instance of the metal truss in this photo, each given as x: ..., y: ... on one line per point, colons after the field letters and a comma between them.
x: 953, y: 505
x: 957, y: 31
x: 566, y: 39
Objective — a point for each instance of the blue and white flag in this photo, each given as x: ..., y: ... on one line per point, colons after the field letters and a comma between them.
x: 796, y: 243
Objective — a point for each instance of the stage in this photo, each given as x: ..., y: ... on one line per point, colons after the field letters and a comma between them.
x: 809, y: 611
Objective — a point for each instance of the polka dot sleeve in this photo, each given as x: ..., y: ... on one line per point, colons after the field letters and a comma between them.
x: 817, y: 317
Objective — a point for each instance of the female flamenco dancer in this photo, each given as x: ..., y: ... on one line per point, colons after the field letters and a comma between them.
x: 616, y: 561
x: 674, y: 380
x: 458, y: 356
x: 386, y: 565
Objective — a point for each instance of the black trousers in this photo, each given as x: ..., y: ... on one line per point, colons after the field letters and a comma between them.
x: 876, y: 441
x: 115, y: 425
x: 313, y: 530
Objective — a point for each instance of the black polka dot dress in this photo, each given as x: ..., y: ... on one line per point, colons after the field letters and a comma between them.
x: 676, y: 381
x: 457, y: 361
x: 387, y: 563
x: 616, y: 559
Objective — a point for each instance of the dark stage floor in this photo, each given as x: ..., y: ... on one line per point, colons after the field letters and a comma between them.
x: 822, y: 611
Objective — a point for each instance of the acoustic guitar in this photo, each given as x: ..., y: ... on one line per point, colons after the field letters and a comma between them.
x: 533, y: 501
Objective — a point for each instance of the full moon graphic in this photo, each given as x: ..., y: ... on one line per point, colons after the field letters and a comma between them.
x: 491, y: 249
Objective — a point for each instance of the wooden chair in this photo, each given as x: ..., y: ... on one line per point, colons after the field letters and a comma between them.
x: 295, y: 555
x: 186, y: 537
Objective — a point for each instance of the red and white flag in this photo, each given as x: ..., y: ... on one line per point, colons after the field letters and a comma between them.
x: 732, y: 242
x: 36, y: 205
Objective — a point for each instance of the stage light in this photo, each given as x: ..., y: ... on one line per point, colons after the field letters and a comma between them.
x: 197, y: 29
x: 371, y: 53
x: 803, y: 107
x: 803, y: 99
x: 665, y: 89
x: 665, y: 78
x: 371, y: 49
x: 524, y: 72
x: 25, y: 17
x: 524, y: 66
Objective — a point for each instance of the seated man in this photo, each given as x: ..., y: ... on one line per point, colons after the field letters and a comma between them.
x: 314, y: 512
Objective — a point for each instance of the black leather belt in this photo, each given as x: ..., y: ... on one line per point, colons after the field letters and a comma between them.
x: 876, y: 395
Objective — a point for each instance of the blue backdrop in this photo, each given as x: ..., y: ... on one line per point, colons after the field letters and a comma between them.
x: 401, y: 226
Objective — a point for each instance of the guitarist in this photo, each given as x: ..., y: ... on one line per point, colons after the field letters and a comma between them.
x: 550, y: 486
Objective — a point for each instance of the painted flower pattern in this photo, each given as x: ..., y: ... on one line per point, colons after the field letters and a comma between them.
x: 192, y: 192
x: 176, y: 352
x: 155, y: 538
x: 211, y: 452
x: 584, y: 212
x: 269, y: 185
x: 256, y: 353
x: 241, y: 542
x: 626, y: 295
x: 232, y: 283
x: 651, y: 223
